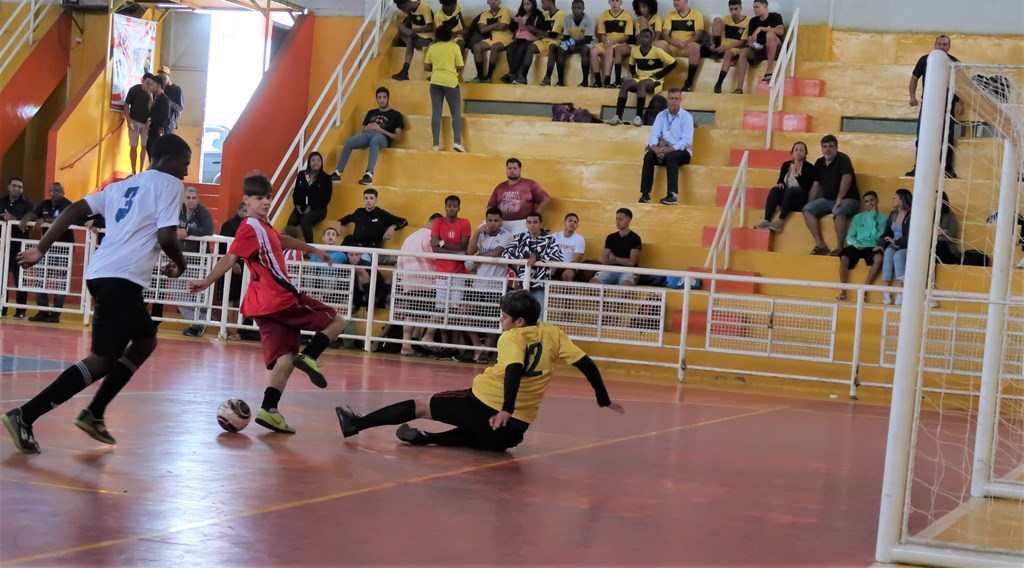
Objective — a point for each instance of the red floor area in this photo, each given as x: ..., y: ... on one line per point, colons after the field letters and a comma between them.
x: 688, y: 476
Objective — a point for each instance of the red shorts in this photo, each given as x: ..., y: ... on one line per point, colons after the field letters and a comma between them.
x: 280, y: 331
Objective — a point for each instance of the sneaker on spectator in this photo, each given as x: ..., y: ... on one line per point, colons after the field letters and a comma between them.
x: 687, y: 86
x: 19, y: 314
x: 546, y: 81
x: 459, y: 148
x: 506, y: 78
x: 194, y: 331
x: 367, y: 179
x: 615, y: 120
x: 96, y: 428
x: 637, y: 121
x: 435, y: 148
x: 20, y: 432
x: 400, y: 76
x: 645, y: 198
x: 950, y: 174
x: 899, y: 299
x: 478, y: 80
x: 763, y: 225
x: 670, y: 199
x: 54, y: 317
x: 887, y: 298
x: 41, y: 317
x: 777, y: 225
x: 519, y: 80
x: 336, y: 177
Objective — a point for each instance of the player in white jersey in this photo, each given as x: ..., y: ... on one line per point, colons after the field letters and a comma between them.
x: 141, y: 215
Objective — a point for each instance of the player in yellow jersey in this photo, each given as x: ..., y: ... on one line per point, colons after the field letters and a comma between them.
x: 416, y: 29
x: 614, y: 27
x: 728, y: 36
x: 450, y: 15
x: 489, y: 36
x: 683, y: 30
x: 504, y: 399
x: 649, y: 66
x: 553, y: 25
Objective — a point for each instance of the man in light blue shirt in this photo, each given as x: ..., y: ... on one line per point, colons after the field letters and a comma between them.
x: 670, y: 145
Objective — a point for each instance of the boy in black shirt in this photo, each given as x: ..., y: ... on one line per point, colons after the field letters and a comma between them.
x: 382, y: 126
x: 136, y: 114
x: 621, y: 248
x: 159, y: 113
x: 373, y: 224
x: 764, y: 38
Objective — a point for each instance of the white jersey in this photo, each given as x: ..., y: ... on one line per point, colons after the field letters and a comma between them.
x: 570, y: 245
x: 487, y: 243
x: 134, y: 209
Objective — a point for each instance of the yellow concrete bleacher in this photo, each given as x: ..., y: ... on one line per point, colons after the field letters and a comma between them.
x: 593, y: 169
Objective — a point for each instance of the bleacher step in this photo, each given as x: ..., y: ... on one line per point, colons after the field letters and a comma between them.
x: 742, y: 238
x: 756, y: 196
x: 781, y: 121
x: 723, y: 286
x: 796, y: 86
x: 759, y: 158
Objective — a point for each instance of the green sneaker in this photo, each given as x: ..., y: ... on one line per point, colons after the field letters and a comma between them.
x: 274, y: 421
x: 308, y: 365
x: 478, y: 80
x: 95, y: 428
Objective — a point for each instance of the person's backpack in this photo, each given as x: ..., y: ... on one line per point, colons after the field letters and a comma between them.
x: 656, y: 105
x: 566, y: 112
x: 975, y: 258
x: 996, y: 85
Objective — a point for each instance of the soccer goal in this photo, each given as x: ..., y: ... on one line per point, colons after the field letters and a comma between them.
x: 954, y: 467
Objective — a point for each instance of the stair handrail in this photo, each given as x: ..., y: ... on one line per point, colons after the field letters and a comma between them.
x: 723, y: 234
x: 326, y: 111
x: 29, y: 22
x: 777, y: 85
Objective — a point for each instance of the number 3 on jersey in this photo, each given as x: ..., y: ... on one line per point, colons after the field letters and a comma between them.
x: 129, y: 200
x: 534, y: 351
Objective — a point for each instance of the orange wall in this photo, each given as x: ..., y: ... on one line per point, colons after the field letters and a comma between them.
x: 33, y: 82
x: 265, y: 129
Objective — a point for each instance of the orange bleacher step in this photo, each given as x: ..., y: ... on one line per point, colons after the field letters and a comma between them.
x: 725, y: 324
x: 781, y: 121
x: 742, y: 238
x: 795, y: 86
x: 759, y: 158
x: 756, y: 196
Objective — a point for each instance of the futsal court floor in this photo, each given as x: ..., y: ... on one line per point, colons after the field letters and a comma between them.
x: 689, y: 476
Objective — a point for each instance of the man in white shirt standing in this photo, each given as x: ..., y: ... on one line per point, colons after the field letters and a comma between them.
x: 573, y: 246
x: 671, y: 145
x: 141, y: 215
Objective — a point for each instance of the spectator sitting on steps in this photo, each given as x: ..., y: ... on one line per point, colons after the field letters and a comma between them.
x: 311, y: 196
x: 382, y: 127
x: 866, y: 230
x: 796, y: 178
x: 415, y: 28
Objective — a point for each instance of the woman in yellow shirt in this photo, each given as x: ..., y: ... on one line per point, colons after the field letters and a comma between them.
x: 444, y: 63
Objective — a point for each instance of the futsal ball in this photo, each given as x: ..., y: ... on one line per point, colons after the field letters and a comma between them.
x: 233, y: 415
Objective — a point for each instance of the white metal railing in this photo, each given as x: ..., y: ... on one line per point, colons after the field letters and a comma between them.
x: 777, y: 86
x: 326, y: 111
x: 735, y: 205
x: 28, y: 15
x: 748, y: 327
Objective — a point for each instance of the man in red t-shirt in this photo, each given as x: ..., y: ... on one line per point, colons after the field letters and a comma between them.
x: 450, y: 235
x: 517, y: 197
x: 280, y: 311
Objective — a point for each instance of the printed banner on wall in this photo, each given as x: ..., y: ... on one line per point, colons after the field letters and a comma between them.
x: 132, y: 45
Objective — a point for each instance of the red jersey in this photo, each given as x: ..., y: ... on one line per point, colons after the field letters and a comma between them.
x: 519, y: 200
x: 451, y: 233
x: 270, y: 290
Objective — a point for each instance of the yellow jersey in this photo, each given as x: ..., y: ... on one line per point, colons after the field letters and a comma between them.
x: 445, y: 57
x: 615, y: 27
x: 654, y: 23
x: 648, y: 65
x: 504, y: 16
x: 553, y: 25
x: 683, y: 26
x: 735, y: 31
x: 421, y: 16
x: 455, y: 19
x: 537, y: 347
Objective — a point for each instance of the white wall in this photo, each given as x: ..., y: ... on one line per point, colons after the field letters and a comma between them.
x: 997, y: 17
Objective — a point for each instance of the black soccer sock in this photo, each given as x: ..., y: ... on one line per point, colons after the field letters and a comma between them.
x: 480, y: 69
x: 620, y: 106
x: 721, y: 78
x: 551, y: 68
x: 72, y: 381
x: 456, y: 437
x: 317, y: 345
x: 716, y: 41
x: 271, y: 398
x: 690, y: 70
x: 585, y: 64
x: 641, y: 102
x: 405, y: 68
x: 111, y: 385
x: 618, y: 72
x: 397, y: 413
x: 524, y: 69
x: 597, y: 78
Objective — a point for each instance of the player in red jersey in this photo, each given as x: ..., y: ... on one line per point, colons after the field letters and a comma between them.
x: 280, y: 311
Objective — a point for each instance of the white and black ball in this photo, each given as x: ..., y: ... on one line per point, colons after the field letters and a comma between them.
x: 233, y: 415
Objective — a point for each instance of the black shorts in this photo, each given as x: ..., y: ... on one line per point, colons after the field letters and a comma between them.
x: 462, y: 409
x: 120, y: 316
x: 853, y: 254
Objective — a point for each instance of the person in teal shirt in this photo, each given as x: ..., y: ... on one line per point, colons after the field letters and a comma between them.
x: 866, y: 229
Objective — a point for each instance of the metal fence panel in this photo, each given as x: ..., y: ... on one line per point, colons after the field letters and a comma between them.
x: 614, y: 314
x: 789, y: 329
x: 463, y: 302
x: 52, y: 275
x: 333, y: 285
